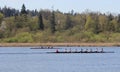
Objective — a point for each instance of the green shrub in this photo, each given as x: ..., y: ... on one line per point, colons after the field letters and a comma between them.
x: 115, y: 37
x: 24, y: 37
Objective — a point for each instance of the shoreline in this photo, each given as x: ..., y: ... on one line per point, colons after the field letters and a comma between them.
x: 58, y: 44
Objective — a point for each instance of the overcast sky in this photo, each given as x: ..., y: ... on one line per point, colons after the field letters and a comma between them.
x: 103, y: 6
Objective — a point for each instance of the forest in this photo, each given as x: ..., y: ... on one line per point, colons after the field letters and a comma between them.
x: 44, y: 26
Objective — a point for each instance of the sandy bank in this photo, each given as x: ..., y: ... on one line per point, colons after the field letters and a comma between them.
x: 57, y: 44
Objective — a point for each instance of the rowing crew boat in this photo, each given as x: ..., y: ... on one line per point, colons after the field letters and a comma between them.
x: 83, y: 52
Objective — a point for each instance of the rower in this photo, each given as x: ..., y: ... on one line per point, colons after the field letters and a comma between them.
x: 96, y: 49
x: 90, y: 50
x: 65, y: 50
x: 86, y: 51
x: 57, y: 51
x: 70, y: 50
x: 81, y: 50
x: 102, y: 50
x: 75, y: 50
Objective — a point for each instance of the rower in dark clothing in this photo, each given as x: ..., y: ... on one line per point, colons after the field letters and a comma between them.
x: 57, y: 51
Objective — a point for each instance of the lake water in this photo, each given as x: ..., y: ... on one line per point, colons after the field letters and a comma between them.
x: 24, y: 59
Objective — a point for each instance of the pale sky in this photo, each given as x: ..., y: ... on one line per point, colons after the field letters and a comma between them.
x: 103, y: 6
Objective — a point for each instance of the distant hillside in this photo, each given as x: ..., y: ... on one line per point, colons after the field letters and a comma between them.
x: 55, y: 26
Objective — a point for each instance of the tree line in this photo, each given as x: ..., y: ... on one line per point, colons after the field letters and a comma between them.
x: 55, y: 26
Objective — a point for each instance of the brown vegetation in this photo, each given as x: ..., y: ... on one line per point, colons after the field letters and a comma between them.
x: 58, y: 44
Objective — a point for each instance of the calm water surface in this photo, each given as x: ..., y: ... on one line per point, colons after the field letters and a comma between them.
x: 24, y: 59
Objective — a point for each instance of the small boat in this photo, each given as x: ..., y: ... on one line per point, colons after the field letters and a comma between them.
x: 42, y: 47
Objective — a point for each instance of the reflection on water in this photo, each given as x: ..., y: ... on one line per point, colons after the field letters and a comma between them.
x: 17, y: 59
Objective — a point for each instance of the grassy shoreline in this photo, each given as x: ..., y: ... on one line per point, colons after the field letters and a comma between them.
x: 56, y: 44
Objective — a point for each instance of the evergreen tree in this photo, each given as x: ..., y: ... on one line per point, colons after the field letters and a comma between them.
x: 110, y: 17
x: 1, y: 17
x: 118, y: 24
x: 118, y: 18
x: 23, y: 10
x: 68, y: 23
x: 72, y: 12
x: 110, y: 26
x: 24, y: 16
x: 53, y: 22
x: 40, y: 22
